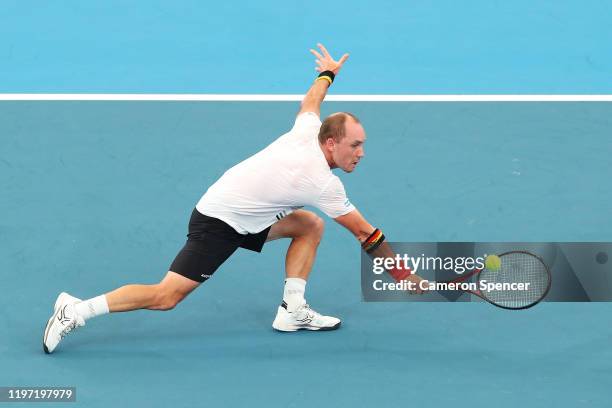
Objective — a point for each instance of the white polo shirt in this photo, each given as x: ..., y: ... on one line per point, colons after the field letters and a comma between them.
x: 288, y: 174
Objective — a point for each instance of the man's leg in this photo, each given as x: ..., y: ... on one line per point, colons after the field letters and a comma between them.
x: 305, y: 230
x: 71, y: 312
x: 162, y: 296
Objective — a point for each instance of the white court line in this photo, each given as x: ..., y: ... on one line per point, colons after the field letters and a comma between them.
x: 293, y: 98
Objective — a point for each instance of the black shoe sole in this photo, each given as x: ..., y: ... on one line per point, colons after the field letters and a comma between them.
x: 334, y: 327
x: 47, y: 327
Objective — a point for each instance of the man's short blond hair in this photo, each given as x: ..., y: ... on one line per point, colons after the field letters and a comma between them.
x: 334, y: 126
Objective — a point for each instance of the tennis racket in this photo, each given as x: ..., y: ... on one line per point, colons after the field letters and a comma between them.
x: 517, y: 267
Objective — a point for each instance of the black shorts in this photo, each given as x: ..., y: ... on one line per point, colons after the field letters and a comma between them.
x: 209, y: 243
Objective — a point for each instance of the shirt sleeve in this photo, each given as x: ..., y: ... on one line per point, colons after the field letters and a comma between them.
x: 307, y: 122
x: 333, y: 201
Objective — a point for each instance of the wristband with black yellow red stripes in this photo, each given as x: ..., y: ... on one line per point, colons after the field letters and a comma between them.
x: 373, y: 241
x: 370, y: 245
x: 328, y: 76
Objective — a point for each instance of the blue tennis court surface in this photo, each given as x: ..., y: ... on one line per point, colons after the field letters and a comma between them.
x: 98, y: 194
x: 189, y: 46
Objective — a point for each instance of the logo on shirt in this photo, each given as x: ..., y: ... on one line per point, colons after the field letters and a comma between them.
x: 347, y: 203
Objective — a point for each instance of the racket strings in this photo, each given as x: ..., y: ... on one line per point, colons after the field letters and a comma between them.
x: 517, y: 267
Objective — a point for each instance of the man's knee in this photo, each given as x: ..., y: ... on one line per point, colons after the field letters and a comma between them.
x: 172, y: 290
x: 314, y: 226
x: 166, y: 299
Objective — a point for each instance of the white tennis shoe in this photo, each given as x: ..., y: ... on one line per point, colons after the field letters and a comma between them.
x: 303, y: 318
x: 63, y: 299
x: 63, y: 321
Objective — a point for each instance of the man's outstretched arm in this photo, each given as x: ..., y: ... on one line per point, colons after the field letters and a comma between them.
x: 315, y: 95
x: 373, y: 242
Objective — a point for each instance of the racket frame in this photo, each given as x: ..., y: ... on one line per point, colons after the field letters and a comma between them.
x: 478, y: 293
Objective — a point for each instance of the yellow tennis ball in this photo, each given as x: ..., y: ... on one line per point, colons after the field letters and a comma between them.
x: 493, y: 263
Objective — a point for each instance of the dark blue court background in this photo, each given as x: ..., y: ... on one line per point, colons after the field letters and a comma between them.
x: 96, y: 195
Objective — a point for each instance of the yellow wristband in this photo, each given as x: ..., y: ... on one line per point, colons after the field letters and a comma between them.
x: 328, y: 79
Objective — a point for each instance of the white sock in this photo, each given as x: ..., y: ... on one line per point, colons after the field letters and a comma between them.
x: 294, y: 293
x: 92, y: 307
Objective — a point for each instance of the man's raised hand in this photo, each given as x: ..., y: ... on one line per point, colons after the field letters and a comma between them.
x: 325, y: 62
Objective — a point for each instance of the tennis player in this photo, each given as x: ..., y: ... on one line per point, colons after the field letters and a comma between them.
x: 260, y: 200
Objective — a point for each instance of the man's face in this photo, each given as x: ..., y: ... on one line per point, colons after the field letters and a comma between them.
x: 347, y: 153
